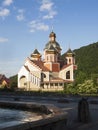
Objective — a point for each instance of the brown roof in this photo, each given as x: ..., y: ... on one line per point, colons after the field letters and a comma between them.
x: 58, y: 80
x: 39, y: 64
x: 26, y: 68
x: 65, y: 66
x: 55, y: 80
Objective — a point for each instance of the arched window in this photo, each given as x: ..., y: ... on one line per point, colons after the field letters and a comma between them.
x: 68, y: 75
x: 42, y: 77
x: 69, y: 61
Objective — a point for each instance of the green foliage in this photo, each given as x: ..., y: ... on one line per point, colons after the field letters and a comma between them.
x: 70, y: 89
x: 87, y: 87
x: 80, y: 77
x: 94, y: 77
x: 87, y: 59
x: 86, y: 76
x: 13, y: 82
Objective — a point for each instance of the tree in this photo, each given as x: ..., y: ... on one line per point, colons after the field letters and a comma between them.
x: 80, y: 77
x: 87, y: 87
x: 13, y: 82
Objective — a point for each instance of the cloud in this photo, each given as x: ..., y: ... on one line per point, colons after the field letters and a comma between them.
x: 7, y: 2
x: 47, y: 7
x: 37, y: 25
x: 20, y: 16
x: 50, y: 15
x: 2, y: 40
x: 4, y: 12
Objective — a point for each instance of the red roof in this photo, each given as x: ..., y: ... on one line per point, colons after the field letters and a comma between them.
x: 2, y: 78
x: 38, y: 63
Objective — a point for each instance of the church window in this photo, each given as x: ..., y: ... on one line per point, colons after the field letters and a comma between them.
x: 60, y: 84
x: 68, y: 75
x: 51, y: 84
x: 56, y: 84
x: 69, y: 61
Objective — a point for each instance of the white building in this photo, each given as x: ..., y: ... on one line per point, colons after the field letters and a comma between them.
x: 49, y: 74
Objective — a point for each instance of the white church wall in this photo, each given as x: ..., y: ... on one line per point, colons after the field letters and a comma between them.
x: 63, y: 72
x: 23, y: 72
x: 33, y: 69
x: 46, y: 78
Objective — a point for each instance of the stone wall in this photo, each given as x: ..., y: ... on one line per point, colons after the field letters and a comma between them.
x: 53, y: 118
x: 57, y: 122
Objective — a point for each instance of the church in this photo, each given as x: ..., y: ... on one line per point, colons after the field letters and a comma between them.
x: 50, y: 73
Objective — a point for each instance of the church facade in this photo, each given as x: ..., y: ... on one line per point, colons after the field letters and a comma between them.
x: 50, y: 73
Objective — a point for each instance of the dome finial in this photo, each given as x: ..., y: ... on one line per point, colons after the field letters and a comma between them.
x: 52, y: 28
x: 69, y: 45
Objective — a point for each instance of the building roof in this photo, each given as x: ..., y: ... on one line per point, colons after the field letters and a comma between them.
x: 55, y: 80
x: 65, y: 66
x: 54, y: 42
x: 26, y: 67
x: 39, y: 64
x: 3, y: 77
x: 52, y: 34
x: 51, y: 49
x: 36, y: 52
x: 70, y: 52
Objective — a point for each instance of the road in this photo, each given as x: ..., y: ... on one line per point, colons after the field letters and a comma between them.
x: 67, y: 104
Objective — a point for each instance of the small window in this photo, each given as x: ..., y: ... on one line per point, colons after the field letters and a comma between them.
x: 68, y: 75
x: 51, y: 84
x: 47, y: 84
x: 69, y: 61
x: 60, y: 84
x: 56, y: 84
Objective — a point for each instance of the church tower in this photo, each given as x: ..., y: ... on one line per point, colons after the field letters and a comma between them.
x: 36, y: 55
x: 70, y: 57
x: 52, y: 52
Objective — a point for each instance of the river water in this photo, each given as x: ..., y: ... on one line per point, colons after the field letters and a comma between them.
x: 10, y: 117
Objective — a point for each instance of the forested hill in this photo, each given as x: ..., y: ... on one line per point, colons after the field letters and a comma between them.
x: 87, y: 59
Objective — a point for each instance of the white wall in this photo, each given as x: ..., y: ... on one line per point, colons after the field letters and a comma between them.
x: 62, y: 73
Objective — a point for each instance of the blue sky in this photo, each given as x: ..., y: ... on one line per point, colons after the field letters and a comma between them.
x: 26, y: 25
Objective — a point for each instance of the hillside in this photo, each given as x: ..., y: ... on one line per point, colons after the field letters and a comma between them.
x: 87, y: 59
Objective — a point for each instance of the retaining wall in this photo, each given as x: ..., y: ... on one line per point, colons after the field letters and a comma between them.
x: 53, y: 118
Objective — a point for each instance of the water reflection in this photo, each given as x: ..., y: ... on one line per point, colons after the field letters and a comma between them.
x: 8, y: 115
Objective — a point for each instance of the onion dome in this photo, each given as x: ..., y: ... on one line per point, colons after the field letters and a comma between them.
x: 70, y: 53
x: 52, y: 34
x: 51, y: 49
x: 35, y: 54
x: 53, y: 42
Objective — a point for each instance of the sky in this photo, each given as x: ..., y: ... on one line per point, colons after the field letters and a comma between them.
x: 26, y: 24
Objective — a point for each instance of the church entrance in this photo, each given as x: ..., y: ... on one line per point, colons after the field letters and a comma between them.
x: 23, y: 82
